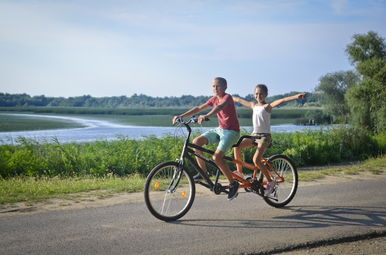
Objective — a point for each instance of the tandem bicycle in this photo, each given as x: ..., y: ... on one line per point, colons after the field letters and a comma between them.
x: 170, y: 189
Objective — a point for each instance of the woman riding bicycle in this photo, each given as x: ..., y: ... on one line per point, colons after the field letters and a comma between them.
x: 261, y: 127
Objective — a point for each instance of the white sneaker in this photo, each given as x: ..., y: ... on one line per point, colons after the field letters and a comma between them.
x: 270, y: 188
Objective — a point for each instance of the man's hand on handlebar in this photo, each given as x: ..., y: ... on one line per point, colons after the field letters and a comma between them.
x: 176, y: 118
x: 202, y: 118
x: 193, y: 119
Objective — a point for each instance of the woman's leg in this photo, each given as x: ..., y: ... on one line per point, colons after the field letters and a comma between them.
x: 258, y: 156
x: 237, y: 152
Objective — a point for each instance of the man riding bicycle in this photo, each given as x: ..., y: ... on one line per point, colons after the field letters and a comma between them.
x: 225, y: 135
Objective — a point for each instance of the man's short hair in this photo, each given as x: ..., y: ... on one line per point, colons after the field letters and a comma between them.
x: 222, y: 81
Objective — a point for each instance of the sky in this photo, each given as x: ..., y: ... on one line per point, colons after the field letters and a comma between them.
x: 176, y: 47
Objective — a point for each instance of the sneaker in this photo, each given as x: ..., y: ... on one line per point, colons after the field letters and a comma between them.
x: 270, y: 188
x: 238, y: 174
x: 233, y: 190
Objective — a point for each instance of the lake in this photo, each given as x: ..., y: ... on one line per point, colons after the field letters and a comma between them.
x: 105, y: 130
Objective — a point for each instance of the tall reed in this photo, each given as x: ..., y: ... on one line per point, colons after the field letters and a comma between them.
x: 126, y: 156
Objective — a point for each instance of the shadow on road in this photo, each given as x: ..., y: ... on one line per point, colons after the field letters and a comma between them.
x: 302, y: 217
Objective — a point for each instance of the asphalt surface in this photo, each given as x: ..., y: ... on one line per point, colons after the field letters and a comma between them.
x: 213, y: 225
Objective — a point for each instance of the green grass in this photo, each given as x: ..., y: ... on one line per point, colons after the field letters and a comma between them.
x: 26, y: 123
x: 30, y: 190
x: 36, y: 189
x: 126, y: 156
x: 375, y: 166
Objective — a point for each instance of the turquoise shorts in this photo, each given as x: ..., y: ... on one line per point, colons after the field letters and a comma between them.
x: 224, y: 138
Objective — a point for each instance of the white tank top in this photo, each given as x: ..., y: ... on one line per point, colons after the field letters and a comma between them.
x: 261, y: 120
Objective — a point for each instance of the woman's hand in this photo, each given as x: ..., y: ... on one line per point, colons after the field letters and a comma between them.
x: 301, y: 96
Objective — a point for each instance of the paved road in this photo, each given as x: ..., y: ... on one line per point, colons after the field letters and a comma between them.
x: 213, y: 226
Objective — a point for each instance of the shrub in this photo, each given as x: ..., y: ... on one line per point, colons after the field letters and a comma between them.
x: 125, y: 156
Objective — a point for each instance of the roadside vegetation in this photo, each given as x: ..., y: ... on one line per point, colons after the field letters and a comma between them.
x: 126, y: 156
x: 31, y: 189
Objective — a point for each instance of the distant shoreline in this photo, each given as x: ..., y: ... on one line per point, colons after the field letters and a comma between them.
x: 100, y: 127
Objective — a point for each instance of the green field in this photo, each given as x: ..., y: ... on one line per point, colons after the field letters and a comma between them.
x: 26, y: 123
x: 138, y: 117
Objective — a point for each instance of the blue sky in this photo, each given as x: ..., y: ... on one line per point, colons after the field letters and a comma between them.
x: 176, y: 47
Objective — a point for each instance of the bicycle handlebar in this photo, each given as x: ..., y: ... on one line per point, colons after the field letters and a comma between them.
x: 193, y: 119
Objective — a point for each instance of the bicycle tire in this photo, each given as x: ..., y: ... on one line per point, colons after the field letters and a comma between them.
x: 284, y: 191
x: 169, y: 191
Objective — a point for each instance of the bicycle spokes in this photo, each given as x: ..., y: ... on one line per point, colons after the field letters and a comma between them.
x: 285, y: 176
x: 169, y: 191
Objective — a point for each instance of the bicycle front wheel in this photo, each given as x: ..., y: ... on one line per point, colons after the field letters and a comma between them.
x: 169, y: 191
x: 286, y: 175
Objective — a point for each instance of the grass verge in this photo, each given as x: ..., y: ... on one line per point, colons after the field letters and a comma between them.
x: 32, y: 190
x: 374, y: 166
x: 37, y: 189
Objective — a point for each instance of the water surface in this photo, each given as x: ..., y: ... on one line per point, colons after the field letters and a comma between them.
x: 105, y: 130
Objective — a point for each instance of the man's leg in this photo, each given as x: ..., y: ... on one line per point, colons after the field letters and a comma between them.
x: 200, y: 141
x: 218, y: 157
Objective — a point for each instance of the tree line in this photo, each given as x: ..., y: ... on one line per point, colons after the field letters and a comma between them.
x: 140, y: 101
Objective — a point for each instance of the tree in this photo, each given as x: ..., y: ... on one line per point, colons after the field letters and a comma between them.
x: 333, y: 87
x: 367, y: 105
x: 366, y: 100
x: 366, y: 47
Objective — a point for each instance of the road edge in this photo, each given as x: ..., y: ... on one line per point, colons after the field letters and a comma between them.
x: 324, y: 242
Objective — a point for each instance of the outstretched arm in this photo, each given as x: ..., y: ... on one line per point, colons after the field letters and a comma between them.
x: 243, y: 102
x: 287, y: 99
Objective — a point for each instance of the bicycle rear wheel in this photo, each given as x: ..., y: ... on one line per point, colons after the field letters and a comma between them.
x: 169, y: 191
x: 286, y: 176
